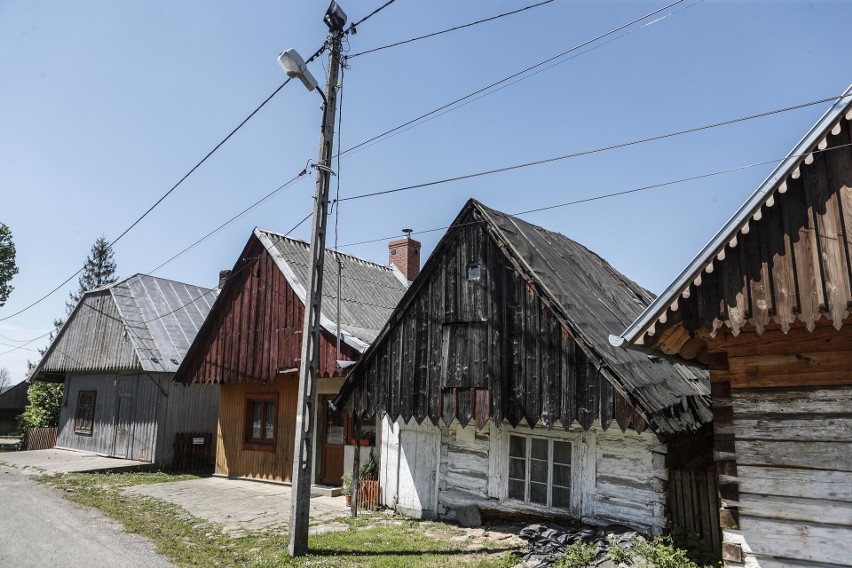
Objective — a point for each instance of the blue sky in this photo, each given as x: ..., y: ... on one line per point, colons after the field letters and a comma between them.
x: 105, y: 105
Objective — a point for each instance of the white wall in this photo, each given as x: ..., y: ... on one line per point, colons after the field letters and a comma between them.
x: 616, y: 477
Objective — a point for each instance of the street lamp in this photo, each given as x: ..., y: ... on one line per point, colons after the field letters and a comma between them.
x: 303, y: 447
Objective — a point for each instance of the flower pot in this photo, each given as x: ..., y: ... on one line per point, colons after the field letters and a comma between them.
x: 349, y: 500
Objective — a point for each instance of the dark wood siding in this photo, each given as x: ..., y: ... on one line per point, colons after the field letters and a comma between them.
x: 482, y: 348
x: 256, y: 328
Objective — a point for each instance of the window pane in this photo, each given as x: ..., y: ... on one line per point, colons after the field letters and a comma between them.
x: 517, y: 469
x: 270, y: 421
x: 539, y: 448
x: 255, y: 420
x: 538, y: 471
x: 517, y: 447
x: 538, y: 493
x: 561, y: 475
x: 516, y: 490
x: 561, y: 497
x: 562, y: 452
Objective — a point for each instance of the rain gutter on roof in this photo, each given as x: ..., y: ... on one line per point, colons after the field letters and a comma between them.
x: 299, y: 289
x: 664, y: 300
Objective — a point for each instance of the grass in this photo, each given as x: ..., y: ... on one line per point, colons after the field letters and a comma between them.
x: 370, y: 540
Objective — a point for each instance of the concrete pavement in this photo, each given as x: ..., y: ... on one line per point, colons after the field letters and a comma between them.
x: 240, y: 505
x: 39, y: 528
x: 55, y: 460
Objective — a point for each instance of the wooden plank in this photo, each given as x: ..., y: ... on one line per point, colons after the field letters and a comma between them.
x: 797, y: 427
x: 792, y: 482
x: 813, y: 401
x: 815, y: 455
x: 799, y: 231
x: 810, y: 542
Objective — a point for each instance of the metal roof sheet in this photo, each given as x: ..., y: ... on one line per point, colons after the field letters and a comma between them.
x: 369, y: 292
x: 141, y: 321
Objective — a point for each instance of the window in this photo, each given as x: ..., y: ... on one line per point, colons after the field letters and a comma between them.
x: 368, y: 432
x: 473, y: 271
x: 260, y: 422
x: 84, y: 418
x: 540, y: 471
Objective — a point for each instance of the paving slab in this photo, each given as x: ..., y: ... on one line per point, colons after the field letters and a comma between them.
x: 56, y: 460
x: 240, y: 505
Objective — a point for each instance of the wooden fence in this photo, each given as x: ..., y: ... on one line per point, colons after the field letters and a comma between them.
x: 193, y: 451
x: 40, y: 438
x: 694, y: 505
x: 368, y: 494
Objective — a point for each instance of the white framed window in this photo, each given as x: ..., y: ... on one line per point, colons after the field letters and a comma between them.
x: 540, y: 471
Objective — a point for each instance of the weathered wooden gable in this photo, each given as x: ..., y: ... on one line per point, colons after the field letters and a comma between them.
x: 254, y: 330
x: 475, y: 339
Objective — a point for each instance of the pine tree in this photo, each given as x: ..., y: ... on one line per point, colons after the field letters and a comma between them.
x: 98, y: 271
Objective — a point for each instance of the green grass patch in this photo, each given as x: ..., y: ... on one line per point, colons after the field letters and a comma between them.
x: 374, y: 539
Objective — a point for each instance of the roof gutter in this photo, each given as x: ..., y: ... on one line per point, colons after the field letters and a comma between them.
x: 664, y: 300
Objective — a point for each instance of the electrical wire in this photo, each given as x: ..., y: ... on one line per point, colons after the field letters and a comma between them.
x: 614, y: 194
x: 232, y: 219
x: 455, y: 28
x: 352, y: 28
x: 595, y: 150
x: 510, y: 77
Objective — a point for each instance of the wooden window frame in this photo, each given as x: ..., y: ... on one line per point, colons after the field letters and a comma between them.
x: 550, y: 468
x: 84, y: 413
x: 349, y: 433
x: 260, y: 444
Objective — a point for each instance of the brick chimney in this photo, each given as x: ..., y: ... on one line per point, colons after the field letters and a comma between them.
x: 405, y: 255
x: 223, y: 277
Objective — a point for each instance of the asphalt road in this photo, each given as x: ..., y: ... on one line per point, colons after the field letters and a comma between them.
x: 40, y: 528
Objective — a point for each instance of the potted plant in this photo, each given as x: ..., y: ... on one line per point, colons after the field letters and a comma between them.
x: 347, y: 488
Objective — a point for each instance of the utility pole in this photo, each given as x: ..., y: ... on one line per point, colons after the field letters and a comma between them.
x: 303, y: 450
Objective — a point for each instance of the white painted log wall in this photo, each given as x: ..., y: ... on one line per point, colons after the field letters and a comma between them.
x: 794, y: 471
x: 617, y: 478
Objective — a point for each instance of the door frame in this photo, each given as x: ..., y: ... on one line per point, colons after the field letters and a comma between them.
x: 324, y: 399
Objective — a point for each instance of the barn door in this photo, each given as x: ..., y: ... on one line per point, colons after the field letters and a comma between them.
x: 418, y: 466
x: 124, y: 418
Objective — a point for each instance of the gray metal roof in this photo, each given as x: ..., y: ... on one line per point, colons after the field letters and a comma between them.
x: 139, y: 322
x: 369, y: 292
x: 14, y: 397
x: 814, y: 137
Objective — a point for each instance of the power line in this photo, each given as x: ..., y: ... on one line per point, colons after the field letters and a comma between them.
x: 232, y: 219
x: 615, y: 193
x: 595, y: 150
x: 352, y: 28
x: 316, y: 54
x: 512, y: 76
x: 460, y: 27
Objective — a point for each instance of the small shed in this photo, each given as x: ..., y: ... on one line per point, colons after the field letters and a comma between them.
x: 766, y: 304
x: 251, y: 345
x: 498, y: 388
x: 116, y: 355
x: 13, y: 400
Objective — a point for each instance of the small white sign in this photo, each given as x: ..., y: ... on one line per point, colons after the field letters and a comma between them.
x: 198, y: 441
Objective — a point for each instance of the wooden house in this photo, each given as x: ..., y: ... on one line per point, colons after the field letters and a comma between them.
x: 117, y: 354
x: 766, y: 305
x: 13, y: 400
x: 251, y: 345
x: 499, y: 389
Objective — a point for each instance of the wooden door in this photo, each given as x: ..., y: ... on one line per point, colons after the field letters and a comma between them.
x: 331, y: 443
x: 418, y: 467
x: 123, y: 420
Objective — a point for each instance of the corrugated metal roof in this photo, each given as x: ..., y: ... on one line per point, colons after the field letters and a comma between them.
x: 15, y: 396
x: 141, y: 321
x: 369, y: 292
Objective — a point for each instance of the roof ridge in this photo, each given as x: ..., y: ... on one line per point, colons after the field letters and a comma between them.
x: 327, y: 249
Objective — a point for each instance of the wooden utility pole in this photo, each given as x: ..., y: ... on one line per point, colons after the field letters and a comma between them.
x: 303, y: 451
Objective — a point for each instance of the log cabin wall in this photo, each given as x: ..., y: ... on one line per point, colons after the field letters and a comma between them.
x: 479, y: 342
x: 431, y: 471
x: 783, y: 430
